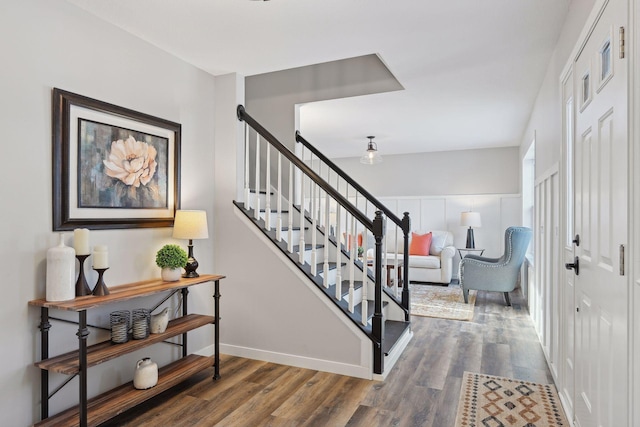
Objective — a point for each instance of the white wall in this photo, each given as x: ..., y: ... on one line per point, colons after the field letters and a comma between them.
x: 545, y: 120
x: 51, y: 43
x: 436, y: 187
x: 485, y: 171
x: 427, y: 213
x: 270, y: 311
x: 545, y: 126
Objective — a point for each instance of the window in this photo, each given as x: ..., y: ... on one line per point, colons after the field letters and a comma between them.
x: 568, y: 134
x: 605, y: 60
x: 586, y: 89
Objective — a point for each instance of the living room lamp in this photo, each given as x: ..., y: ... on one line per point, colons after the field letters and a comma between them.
x: 190, y: 225
x: 470, y: 219
x: 371, y: 156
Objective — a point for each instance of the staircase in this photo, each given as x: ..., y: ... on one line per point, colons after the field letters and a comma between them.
x: 319, y: 218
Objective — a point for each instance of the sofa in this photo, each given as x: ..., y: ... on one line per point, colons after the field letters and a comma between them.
x: 436, y: 267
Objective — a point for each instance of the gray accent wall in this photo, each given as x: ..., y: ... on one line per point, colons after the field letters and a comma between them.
x: 464, y: 172
x: 272, y: 98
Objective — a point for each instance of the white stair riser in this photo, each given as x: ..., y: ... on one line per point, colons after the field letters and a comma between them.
x: 263, y: 200
x: 273, y: 219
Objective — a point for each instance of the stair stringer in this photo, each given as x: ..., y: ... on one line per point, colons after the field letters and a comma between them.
x: 294, y: 335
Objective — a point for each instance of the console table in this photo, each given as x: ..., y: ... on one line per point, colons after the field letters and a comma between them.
x: 111, y: 403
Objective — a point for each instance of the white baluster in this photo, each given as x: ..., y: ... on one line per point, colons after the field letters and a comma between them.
x: 395, y: 267
x: 353, y: 246
x: 290, y: 220
x: 267, y: 207
x: 314, y: 231
x: 279, y: 201
x: 365, y: 307
x: 326, y: 241
x: 338, y: 255
x: 319, y: 205
x: 247, y: 193
x: 301, y: 241
x: 256, y: 208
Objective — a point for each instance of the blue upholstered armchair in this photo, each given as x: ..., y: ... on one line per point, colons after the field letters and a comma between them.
x: 496, y: 274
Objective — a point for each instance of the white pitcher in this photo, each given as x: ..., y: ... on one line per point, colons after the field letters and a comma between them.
x: 159, y: 321
x: 146, y: 375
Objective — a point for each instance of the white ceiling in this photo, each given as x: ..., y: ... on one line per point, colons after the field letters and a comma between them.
x: 471, y: 69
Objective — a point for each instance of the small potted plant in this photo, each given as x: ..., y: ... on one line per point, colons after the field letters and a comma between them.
x: 171, y: 259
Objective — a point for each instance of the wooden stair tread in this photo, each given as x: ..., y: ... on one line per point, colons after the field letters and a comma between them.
x: 68, y: 363
x: 357, y: 284
x: 393, y: 330
x: 307, y: 247
x: 332, y: 266
x: 371, y: 305
x: 274, y: 211
x: 114, y: 402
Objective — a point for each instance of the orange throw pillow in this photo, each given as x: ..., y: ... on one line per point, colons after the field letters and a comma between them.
x: 348, y: 240
x: 420, y: 244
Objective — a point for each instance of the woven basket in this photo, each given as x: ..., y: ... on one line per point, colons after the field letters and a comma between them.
x: 120, y: 324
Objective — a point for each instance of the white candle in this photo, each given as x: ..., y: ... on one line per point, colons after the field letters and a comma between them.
x: 100, y: 257
x: 81, y: 241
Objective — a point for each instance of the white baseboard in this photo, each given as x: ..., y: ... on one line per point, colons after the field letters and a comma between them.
x: 291, y: 360
x: 391, y: 359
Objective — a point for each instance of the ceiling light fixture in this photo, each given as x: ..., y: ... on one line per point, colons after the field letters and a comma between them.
x: 371, y: 156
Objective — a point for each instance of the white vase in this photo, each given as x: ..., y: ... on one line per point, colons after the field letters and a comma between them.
x: 146, y: 374
x: 160, y: 321
x: 171, y: 274
x: 61, y: 271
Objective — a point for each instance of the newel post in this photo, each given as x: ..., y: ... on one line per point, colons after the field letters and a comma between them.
x: 378, y: 321
x: 406, y: 303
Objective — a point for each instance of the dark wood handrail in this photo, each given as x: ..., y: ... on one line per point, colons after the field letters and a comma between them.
x: 351, y: 181
x: 332, y: 192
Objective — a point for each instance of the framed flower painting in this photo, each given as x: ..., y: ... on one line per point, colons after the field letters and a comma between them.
x: 112, y: 167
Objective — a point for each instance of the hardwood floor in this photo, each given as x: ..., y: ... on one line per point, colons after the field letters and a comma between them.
x: 421, y: 390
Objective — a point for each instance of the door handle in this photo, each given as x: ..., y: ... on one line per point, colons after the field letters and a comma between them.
x: 576, y: 240
x: 575, y: 265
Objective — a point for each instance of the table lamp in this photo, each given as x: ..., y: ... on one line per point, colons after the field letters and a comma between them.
x: 190, y: 225
x: 470, y: 219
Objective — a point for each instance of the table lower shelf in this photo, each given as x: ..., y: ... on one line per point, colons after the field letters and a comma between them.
x: 69, y: 364
x: 114, y: 402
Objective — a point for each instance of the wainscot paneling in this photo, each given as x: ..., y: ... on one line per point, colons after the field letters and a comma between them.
x: 497, y: 211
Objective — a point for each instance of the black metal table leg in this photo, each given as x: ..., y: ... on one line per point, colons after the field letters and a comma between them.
x: 185, y: 293
x: 216, y: 327
x: 44, y: 352
x: 82, y: 334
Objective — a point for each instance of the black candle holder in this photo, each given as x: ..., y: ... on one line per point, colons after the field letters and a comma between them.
x: 100, y: 289
x: 82, y: 288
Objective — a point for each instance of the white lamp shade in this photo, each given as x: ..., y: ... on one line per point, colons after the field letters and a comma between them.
x: 190, y: 225
x: 470, y: 219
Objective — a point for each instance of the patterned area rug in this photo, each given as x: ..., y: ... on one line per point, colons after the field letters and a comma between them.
x: 445, y: 302
x: 491, y: 401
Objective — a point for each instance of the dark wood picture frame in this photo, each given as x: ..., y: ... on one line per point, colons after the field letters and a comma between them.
x: 160, y: 183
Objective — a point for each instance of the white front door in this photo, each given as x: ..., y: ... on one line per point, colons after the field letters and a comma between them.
x: 567, y: 295
x: 600, y: 160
